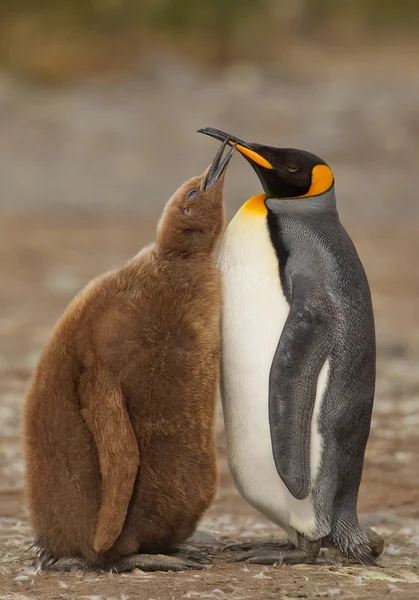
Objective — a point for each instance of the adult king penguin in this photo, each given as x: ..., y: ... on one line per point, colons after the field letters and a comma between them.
x: 298, y: 358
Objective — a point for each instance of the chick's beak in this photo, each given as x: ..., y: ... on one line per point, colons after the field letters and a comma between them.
x: 218, y: 166
x: 244, y: 148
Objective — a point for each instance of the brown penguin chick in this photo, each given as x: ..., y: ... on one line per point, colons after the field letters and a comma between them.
x: 119, y: 417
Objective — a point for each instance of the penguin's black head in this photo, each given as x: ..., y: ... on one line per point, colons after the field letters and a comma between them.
x: 283, y: 172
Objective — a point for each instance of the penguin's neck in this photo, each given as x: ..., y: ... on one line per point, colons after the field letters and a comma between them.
x: 251, y: 222
x: 323, y: 204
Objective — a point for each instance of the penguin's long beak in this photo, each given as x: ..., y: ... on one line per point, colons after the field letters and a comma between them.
x: 250, y: 153
x: 218, y: 166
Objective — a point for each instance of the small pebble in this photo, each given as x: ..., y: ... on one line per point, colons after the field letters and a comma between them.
x: 393, y: 588
x: 261, y: 575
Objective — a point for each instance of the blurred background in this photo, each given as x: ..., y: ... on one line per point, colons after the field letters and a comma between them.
x: 99, y: 104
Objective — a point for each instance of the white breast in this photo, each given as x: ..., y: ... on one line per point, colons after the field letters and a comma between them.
x: 254, y: 314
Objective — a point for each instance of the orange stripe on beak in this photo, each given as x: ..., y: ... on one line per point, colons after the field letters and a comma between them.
x: 254, y: 156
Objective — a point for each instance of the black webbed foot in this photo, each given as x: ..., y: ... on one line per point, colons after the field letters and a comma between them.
x: 256, y: 546
x: 191, y: 553
x: 158, y: 562
x: 305, y: 552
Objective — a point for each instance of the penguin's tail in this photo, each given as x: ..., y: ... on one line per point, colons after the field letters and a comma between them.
x: 352, y: 540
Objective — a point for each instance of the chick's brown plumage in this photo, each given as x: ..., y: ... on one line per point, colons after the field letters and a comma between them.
x: 119, y: 417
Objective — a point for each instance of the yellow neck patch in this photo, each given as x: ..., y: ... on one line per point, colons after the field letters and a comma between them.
x: 255, y: 206
x: 321, y: 181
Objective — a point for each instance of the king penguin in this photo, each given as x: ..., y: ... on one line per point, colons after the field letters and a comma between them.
x: 298, y: 358
x: 118, y: 423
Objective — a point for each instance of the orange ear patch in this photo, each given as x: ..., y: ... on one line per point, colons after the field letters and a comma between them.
x: 255, y: 205
x: 321, y: 181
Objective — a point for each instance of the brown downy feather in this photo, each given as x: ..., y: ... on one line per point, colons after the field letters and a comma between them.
x: 119, y: 417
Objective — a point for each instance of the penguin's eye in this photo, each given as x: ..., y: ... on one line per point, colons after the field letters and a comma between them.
x: 192, y: 194
x: 291, y: 169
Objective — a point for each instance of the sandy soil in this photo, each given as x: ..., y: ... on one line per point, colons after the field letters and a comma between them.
x: 45, y: 261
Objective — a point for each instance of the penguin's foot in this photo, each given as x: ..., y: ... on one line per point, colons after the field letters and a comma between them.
x: 256, y: 546
x: 305, y: 552
x: 179, y: 560
x: 375, y: 543
x: 159, y: 562
x: 190, y: 553
x: 66, y: 565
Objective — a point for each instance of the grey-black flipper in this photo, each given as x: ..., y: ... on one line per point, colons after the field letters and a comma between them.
x: 303, y: 348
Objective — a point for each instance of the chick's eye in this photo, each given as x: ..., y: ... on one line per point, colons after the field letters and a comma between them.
x: 192, y: 194
x: 291, y: 169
